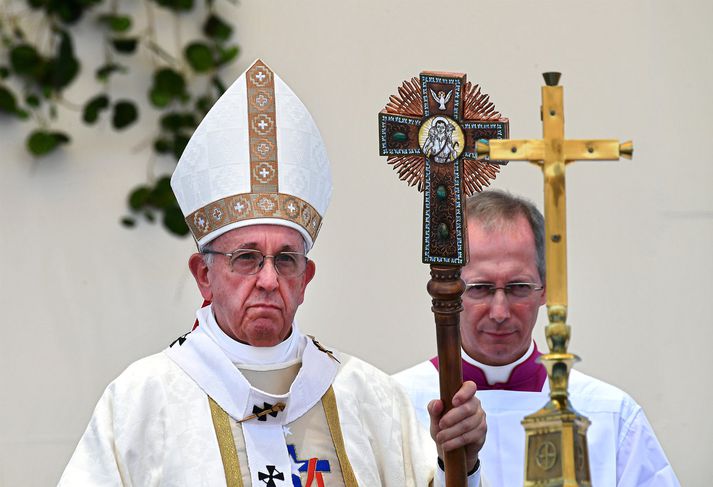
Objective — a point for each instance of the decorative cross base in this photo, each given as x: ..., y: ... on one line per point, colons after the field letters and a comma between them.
x: 556, y: 452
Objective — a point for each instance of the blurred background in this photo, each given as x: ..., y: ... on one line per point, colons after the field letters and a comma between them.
x: 84, y: 296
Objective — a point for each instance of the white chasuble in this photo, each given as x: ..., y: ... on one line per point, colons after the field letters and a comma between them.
x: 156, y: 426
x: 262, y: 416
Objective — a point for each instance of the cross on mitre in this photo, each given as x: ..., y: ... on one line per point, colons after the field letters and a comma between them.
x: 429, y: 132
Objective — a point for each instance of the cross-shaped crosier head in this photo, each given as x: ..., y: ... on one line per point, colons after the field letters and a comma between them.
x: 429, y: 132
x: 460, y: 114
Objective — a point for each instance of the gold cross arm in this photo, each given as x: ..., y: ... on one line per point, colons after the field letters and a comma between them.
x: 572, y: 150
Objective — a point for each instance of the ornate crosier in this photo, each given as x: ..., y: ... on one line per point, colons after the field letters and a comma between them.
x: 429, y: 132
x: 38, y: 43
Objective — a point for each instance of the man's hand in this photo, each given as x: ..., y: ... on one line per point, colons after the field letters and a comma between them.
x: 464, y: 425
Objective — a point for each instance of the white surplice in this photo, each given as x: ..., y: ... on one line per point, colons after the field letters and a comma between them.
x: 623, y: 449
x: 153, y: 425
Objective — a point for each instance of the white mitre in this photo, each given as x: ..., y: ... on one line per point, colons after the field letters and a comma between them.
x: 256, y: 158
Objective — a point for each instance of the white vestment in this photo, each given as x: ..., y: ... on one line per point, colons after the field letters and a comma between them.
x: 623, y: 450
x: 153, y: 425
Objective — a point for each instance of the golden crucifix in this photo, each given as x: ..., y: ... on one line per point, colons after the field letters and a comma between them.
x: 556, y: 442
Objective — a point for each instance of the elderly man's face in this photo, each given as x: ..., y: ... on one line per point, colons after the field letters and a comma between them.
x: 498, y: 330
x: 256, y: 309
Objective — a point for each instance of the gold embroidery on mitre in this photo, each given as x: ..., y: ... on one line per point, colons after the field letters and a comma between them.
x: 248, y: 206
x: 262, y: 130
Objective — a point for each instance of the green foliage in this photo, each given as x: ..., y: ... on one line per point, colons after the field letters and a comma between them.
x: 200, y: 57
x: 42, y: 142
x: 93, y: 107
x: 103, y: 72
x: 38, y: 66
x: 125, y: 45
x: 125, y: 113
x: 117, y: 23
x: 168, y: 85
x: 8, y: 101
x: 159, y: 198
x: 25, y: 59
x: 217, y: 29
x: 177, y: 5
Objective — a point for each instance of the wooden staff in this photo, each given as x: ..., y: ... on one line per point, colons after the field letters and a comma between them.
x: 429, y: 132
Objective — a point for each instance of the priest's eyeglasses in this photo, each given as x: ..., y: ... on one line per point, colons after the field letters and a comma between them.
x: 481, y: 291
x: 249, y: 261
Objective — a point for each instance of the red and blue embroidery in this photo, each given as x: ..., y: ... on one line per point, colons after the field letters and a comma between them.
x: 314, y: 468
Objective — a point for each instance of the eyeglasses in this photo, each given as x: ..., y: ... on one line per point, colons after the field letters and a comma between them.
x: 249, y: 261
x: 480, y: 291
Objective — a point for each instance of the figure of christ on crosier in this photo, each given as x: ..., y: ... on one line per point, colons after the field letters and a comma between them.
x: 441, y: 139
x: 429, y: 132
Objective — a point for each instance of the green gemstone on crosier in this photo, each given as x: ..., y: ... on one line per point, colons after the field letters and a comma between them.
x: 443, y: 231
x: 399, y: 137
x: 441, y: 193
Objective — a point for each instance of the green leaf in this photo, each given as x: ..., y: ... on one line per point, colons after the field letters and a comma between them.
x: 162, y: 146
x: 128, y: 222
x: 24, y: 59
x: 93, y: 107
x: 117, y: 23
x: 64, y: 67
x: 66, y: 48
x: 32, y: 100
x: 70, y: 11
x: 159, y: 98
x: 4, y: 72
x: 217, y: 29
x: 125, y: 45
x: 125, y: 113
x: 203, y: 104
x: 174, y: 222
x: 60, y: 73
x: 180, y: 142
x: 218, y: 83
x: 162, y: 195
x: 139, y: 197
x: 42, y: 142
x: 103, y: 72
x: 227, y: 55
x: 61, y: 137
x: 176, y: 5
x: 169, y: 81
x: 199, y: 56
x: 174, y: 121
x: 8, y: 101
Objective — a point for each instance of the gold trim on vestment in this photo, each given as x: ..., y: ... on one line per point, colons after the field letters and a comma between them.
x: 226, y: 443
x: 329, y: 403
x: 246, y: 206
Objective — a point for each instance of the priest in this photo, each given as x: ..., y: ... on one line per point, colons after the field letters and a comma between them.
x: 246, y: 398
x: 504, y: 290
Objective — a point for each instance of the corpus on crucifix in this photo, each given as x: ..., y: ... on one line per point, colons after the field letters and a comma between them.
x: 556, y: 441
x: 429, y: 132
